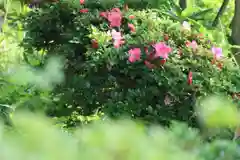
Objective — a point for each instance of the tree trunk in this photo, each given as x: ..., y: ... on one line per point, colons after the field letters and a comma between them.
x: 183, y: 4
x: 235, y: 36
x: 220, y: 12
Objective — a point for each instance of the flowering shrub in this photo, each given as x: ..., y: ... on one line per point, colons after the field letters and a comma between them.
x: 127, y: 61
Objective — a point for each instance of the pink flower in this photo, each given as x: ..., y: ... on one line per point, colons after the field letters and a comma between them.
x: 217, y: 52
x: 84, y: 10
x: 162, y: 50
x: 187, y: 43
x: 163, y: 61
x: 117, y: 38
x: 192, y: 45
x: 118, y: 43
x: 116, y: 35
x: 103, y: 14
x: 82, y: 1
x: 131, y: 27
x: 115, y: 17
x: 131, y: 17
x: 134, y: 55
x: 190, y: 78
x: 116, y: 10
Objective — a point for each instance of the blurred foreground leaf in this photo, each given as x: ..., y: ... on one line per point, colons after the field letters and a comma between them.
x: 35, y: 137
x: 218, y: 112
x: 45, y: 78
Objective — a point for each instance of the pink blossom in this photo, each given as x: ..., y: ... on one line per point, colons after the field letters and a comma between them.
x: 217, y: 52
x: 162, y: 50
x: 131, y: 17
x: 103, y: 14
x: 116, y: 10
x: 131, y: 27
x: 163, y: 61
x: 134, y: 55
x: 82, y: 1
x: 115, y: 34
x: 190, y: 78
x: 118, y: 43
x: 85, y: 10
x: 117, y: 38
x: 115, y: 17
x: 192, y: 45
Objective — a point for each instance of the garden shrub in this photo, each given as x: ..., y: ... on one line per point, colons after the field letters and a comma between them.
x: 127, y: 61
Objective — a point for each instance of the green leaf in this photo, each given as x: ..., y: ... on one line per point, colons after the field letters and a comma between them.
x: 235, y: 46
x: 188, y: 11
x: 172, y: 15
x: 201, y: 14
x: 177, y: 8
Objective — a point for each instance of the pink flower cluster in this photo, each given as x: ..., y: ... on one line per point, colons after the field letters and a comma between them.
x: 193, y: 45
x: 159, y: 51
x: 217, y: 55
x: 117, y: 38
x: 114, y: 18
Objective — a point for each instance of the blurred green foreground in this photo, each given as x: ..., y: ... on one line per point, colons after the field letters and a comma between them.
x: 36, y: 138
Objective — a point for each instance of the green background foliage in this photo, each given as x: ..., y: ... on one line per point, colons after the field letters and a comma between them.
x: 102, y: 79
x: 49, y: 65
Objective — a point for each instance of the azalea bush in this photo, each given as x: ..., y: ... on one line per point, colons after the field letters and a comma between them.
x: 129, y: 61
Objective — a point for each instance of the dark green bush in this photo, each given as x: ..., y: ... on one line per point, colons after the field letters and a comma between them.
x: 100, y: 77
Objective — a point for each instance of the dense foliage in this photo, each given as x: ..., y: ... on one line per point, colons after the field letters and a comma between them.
x: 96, y: 61
x: 126, y: 61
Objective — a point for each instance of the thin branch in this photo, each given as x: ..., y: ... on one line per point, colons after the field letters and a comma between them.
x: 220, y: 12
